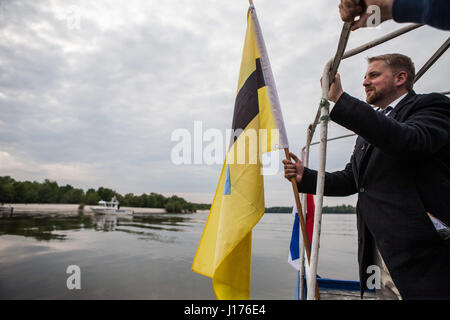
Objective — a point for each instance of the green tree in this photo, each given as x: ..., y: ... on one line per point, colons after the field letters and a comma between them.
x: 106, y: 193
x: 128, y: 199
x: 19, y: 190
x: 174, y: 206
x: 157, y: 200
x: 49, y: 192
x: 73, y: 196
x: 122, y: 200
x: 143, y: 200
x: 135, y: 201
x: 30, y: 192
x: 92, y: 197
x: 6, y: 189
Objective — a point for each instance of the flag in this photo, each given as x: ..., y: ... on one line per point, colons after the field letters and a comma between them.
x: 224, y: 251
x: 294, y: 248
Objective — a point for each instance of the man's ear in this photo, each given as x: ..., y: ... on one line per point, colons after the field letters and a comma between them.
x: 400, y: 78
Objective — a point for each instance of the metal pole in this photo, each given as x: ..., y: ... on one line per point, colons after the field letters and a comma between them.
x: 324, y: 118
x: 432, y: 60
x: 328, y: 75
x: 343, y: 40
x: 307, y: 246
x: 335, y: 138
x: 323, y: 115
x: 380, y: 40
x: 304, y: 204
x: 356, y: 51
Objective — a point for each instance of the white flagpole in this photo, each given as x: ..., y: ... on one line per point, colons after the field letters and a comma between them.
x: 278, y: 117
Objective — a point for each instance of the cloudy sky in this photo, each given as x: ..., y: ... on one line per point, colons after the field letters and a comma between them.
x: 91, y: 91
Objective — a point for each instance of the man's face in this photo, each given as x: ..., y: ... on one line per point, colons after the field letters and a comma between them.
x: 379, y: 83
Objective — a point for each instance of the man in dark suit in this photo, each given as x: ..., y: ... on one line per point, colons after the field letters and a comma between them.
x: 400, y: 170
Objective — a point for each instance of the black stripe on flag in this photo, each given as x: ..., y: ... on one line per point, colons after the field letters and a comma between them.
x: 246, y: 106
x: 259, y: 74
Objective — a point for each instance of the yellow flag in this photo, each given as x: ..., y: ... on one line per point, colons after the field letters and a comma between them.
x: 224, y: 252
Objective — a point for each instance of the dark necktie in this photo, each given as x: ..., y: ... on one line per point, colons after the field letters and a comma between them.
x: 385, y: 111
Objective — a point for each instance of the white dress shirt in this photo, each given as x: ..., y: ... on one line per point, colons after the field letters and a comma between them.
x: 394, y: 103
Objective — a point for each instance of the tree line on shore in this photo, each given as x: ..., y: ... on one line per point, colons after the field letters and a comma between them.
x: 12, y: 191
x: 344, y: 208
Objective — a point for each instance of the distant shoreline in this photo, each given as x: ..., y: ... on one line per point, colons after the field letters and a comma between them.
x: 322, y: 212
x: 48, y: 208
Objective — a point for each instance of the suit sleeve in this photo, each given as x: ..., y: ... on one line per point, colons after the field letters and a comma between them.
x: 432, y: 12
x: 338, y: 183
x: 423, y: 133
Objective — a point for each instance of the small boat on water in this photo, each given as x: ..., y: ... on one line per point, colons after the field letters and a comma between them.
x: 111, y: 207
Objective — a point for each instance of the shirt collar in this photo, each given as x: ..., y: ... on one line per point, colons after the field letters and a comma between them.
x: 394, y: 103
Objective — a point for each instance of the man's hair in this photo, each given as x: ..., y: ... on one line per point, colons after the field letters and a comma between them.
x: 398, y: 62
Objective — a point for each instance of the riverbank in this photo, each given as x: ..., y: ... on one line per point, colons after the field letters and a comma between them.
x: 67, y: 209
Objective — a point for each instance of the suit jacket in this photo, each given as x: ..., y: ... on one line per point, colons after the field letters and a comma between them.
x: 400, y: 170
x: 431, y: 12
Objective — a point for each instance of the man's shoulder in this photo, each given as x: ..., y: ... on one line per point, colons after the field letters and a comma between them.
x: 431, y: 98
x: 429, y: 101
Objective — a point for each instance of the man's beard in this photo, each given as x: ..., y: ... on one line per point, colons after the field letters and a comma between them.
x: 373, y: 97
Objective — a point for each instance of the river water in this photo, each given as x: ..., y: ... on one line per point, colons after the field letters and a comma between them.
x: 150, y: 256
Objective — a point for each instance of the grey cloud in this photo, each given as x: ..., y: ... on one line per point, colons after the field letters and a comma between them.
x: 108, y: 96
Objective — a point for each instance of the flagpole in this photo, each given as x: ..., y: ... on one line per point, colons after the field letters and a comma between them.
x: 273, y: 94
x: 328, y: 75
x: 307, y: 245
x: 305, y: 158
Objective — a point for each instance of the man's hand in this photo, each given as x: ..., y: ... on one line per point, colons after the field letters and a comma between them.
x: 295, y: 169
x: 335, y: 91
x: 349, y: 11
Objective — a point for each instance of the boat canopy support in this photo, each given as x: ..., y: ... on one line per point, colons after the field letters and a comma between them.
x: 322, y: 116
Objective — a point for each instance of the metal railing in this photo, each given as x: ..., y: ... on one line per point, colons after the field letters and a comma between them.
x: 322, y: 116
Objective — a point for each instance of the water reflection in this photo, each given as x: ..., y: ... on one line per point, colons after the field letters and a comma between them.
x: 43, y: 228
x: 104, y: 222
x: 54, y: 226
x: 149, y: 256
